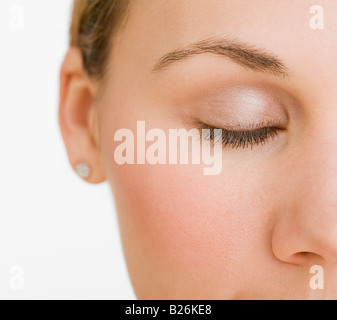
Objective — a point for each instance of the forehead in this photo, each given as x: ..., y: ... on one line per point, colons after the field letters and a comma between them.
x: 179, y: 21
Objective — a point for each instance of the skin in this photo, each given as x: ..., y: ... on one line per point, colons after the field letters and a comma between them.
x: 254, y: 230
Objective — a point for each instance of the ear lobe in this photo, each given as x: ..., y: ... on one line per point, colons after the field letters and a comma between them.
x: 78, y: 115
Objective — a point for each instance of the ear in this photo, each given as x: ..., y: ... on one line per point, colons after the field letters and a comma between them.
x: 78, y: 116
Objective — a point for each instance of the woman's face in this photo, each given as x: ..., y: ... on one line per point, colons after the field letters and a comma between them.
x: 255, y: 229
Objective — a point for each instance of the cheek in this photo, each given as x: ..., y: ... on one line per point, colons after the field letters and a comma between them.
x: 186, y: 224
x: 183, y: 216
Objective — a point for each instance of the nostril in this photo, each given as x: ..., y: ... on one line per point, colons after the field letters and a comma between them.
x: 305, y: 253
x: 303, y: 257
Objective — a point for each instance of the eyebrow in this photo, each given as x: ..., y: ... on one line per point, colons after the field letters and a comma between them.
x: 247, y: 56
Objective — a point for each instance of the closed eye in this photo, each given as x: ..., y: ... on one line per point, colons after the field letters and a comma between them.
x: 238, y: 139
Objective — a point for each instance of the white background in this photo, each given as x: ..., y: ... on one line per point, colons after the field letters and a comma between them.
x: 61, y: 232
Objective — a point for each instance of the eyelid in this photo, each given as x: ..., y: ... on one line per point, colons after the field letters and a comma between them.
x: 246, y: 126
x: 244, y: 108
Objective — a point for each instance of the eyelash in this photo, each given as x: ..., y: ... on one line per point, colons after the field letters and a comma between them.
x: 239, y: 139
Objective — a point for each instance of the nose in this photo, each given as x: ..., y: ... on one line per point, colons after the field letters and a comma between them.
x: 305, y: 229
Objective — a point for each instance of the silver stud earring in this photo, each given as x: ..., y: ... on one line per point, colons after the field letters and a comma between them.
x: 83, y: 170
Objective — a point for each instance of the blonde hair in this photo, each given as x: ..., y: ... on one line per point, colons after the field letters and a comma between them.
x: 93, y: 25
